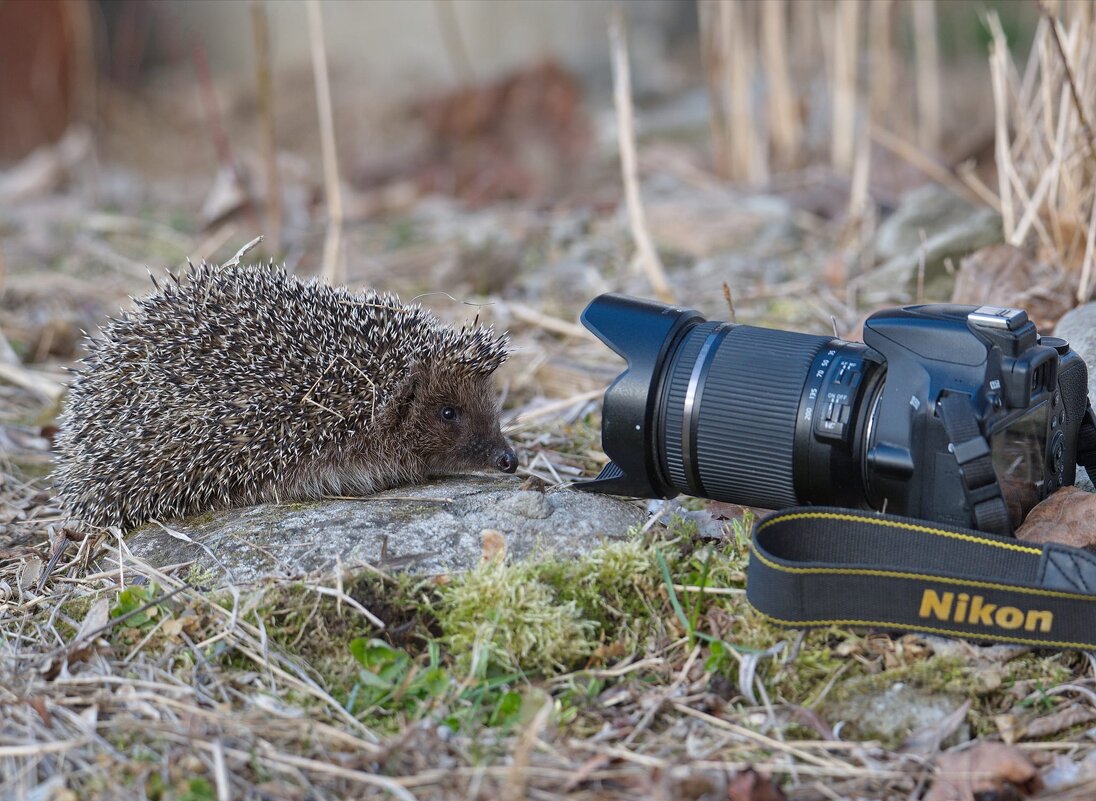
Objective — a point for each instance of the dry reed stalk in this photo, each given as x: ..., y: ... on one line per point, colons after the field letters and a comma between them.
x: 1045, y: 145
x: 881, y: 55
x: 333, y: 269
x: 998, y: 70
x: 646, y: 255
x: 843, y: 84
x: 785, y: 126
x: 1072, y: 81
x: 910, y: 153
x: 264, y: 91
x: 83, y: 71
x: 861, y: 211
x: 927, y: 66
x: 711, y: 55
x: 748, y: 160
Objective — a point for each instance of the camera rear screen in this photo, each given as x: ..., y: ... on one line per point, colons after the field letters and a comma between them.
x: 1019, y: 459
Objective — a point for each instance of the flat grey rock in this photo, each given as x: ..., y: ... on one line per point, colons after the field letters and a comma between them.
x: 429, y: 529
x: 894, y: 713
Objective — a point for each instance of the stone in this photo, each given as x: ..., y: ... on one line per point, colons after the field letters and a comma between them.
x: 428, y: 529
x: 952, y: 229
x: 1078, y: 328
x: 893, y: 714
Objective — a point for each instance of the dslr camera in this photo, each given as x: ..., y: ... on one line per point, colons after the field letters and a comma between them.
x: 955, y: 414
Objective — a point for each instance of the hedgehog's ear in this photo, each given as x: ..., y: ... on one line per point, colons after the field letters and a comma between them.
x: 411, y: 385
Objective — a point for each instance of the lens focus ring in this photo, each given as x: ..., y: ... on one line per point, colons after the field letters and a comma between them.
x: 745, y: 417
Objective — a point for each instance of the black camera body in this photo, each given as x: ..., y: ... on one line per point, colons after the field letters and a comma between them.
x: 956, y: 414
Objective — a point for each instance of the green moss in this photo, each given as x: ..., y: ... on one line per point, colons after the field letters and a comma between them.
x: 505, y: 615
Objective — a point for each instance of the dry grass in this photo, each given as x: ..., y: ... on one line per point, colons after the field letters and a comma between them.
x: 1045, y: 147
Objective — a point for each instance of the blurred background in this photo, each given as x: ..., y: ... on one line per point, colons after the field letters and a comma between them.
x: 786, y: 162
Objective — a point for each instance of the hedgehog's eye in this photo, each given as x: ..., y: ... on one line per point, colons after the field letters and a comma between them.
x: 450, y: 414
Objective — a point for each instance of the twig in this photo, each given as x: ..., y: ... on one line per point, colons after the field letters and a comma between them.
x: 547, y: 322
x: 268, y: 143
x: 730, y: 301
x: 622, y: 98
x: 235, y: 260
x: 332, y: 269
x: 41, y: 385
x: 1077, y: 104
x: 516, y: 785
x: 554, y: 407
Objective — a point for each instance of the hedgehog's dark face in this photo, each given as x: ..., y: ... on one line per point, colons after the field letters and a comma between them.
x: 453, y: 422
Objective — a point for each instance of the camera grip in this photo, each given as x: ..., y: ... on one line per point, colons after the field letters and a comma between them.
x: 1073, y: 389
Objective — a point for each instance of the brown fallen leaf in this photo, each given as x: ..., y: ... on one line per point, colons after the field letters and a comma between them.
x: 494, y: 545
x: 1061, y: 720
x: 749, y: 785
x: 996, y: 769
x: 1067, y: 517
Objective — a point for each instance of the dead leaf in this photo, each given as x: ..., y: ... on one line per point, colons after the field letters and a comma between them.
x: 1067, y: 517
x: 1067, y: 718
x: 38, y: 704
x: 984, y: 768
x: 749, y: 785
x: 494, y: 545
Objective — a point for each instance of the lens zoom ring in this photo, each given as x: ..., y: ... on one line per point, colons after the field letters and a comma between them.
x: 679, y: 374
x: 746, y: 429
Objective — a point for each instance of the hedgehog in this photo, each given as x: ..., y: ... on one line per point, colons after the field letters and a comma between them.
x: 238, y: 385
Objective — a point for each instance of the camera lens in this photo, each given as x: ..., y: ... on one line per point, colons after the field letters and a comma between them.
x: 737, y: 413
x: 731, y: 405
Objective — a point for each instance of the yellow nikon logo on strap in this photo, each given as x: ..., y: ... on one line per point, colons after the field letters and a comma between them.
x: 966, y: 608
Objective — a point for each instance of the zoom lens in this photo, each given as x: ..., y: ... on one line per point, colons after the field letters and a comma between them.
x: 732, y: 399
x: 737, y: 413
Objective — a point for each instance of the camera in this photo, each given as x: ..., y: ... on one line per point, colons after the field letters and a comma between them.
x: 955, y: 414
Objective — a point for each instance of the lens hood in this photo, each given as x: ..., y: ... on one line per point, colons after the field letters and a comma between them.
x: 644, y: 333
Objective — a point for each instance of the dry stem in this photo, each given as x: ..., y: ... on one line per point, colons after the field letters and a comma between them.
x: 622, y: 97
x: 333, y: 268
x: 264, y: 90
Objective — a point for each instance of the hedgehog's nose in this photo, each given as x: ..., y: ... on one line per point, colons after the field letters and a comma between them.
x: 507, y: 461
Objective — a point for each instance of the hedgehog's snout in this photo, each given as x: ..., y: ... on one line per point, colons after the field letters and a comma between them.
x: 506, y: 460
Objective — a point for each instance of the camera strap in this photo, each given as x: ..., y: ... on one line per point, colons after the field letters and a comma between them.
x: 817, y: 566
x: 973, y: 454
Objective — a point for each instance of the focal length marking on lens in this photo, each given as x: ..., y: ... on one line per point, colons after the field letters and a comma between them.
x: 690, y: 420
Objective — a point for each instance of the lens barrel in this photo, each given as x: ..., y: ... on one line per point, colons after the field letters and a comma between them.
x: 731, y: 407
x: 747, y: 415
